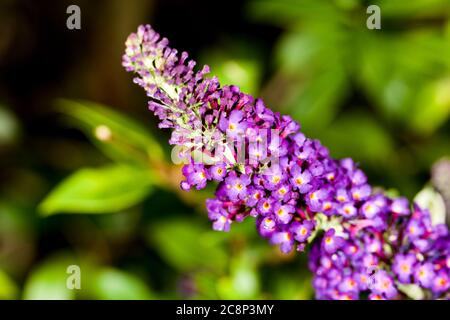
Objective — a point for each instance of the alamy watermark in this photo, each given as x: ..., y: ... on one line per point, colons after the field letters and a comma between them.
x: 73, y: 281
x: 256, y: 147
x: 374, y: 20
x: 73, y: 21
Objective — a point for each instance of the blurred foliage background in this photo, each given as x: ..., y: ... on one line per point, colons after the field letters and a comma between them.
x: 85, y: 176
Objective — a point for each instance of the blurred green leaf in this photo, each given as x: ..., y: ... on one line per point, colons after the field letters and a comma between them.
x: 17, y: 236
x: 8, y: 288
x: 430, y: 199
x: 317, y: 100
x: 413, y: 8
x: 327, y: 46
x: 312, y: 59
x: 378, y: 76
x: 435, y: 147
x: 288, y: 11
x: 243, y: 73
x: 182, y: 244
x: 9, y: 126
x: 48, y: 280
x: 243, y: 282
x: 236, y: 63
x: 413, y: 291
x: 112, y: 284
x: 432, y: 107
x: 101, y: 190
x: 118, y: 136
x: 361, y: 136
x: 297, y: 49
x: 291, y: 11
x: 205, y: 284
x: 405, y: 78
x: 292, y: 285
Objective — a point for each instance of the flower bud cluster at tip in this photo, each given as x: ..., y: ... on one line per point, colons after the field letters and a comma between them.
x: 286, y: 194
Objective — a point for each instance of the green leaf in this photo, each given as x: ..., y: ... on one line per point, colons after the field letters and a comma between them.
x: 8, y: 288
x: 112, y: 284
x: 403, y: 76
x: 359, y: 136
x: 312, y: 59
x: 432, y: 107
x: 292, y: 285
x: 236, y: 65
x: 317, y: 100
x: 9, y: 126
x: 118, y: 136
x: 243, y: 282
x: 185, y: 245
x: 205, y: 285
x: 103, y: 190
x: 286, y: 12
x: 436, y: 147
x: 412, y: 290
x: 48, y: 280
x: 432, y: 200
x: 413, y: 8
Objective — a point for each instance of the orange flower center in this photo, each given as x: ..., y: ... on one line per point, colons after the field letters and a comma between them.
x: 327, y: 206
x: 405, y: 268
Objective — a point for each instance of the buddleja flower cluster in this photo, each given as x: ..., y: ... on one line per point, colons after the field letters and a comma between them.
x: 370, y: 246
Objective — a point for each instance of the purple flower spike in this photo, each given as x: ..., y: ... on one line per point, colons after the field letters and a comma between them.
x: 237, y: 186
x: 233, y: 124
x: 315, y: 199
x: 267, y: 227
x: 415, y: 229
x: 348, y: 210
x: 273, y: 178
x: 331, y: 242
x: 349, y: 285
x: 403, y: 267
x: 384, y: 285
x: 254, y: 196
x: 424, y: 275
x: 196, y: 175
x: 283, y: 213
x: 374, y: 296
x: 441, y: 283
x: 400, y: 206
x: 301, y: 180
x: 370, y: 210
x: 218, y: 215
x: 303, y: 230
x: 361, y: 192
x: 266, y: 168
x: 218, y: 172
x: 284, y: 239
x: 266, y: 206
